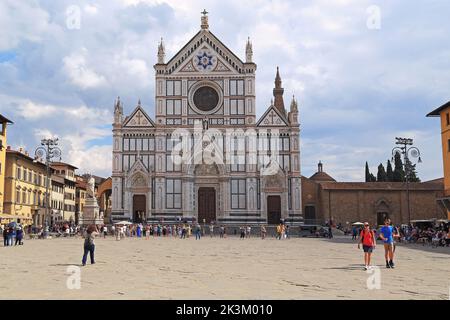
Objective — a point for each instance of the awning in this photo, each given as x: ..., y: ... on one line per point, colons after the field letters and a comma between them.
x: 11, y: 216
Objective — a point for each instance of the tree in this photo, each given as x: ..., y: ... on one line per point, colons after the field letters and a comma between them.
x: 381, y: 175
x: 399, y: 173
x: 369, y: 176
x: 389, y: 172
x: 367, y: 172
x: 412, y: 174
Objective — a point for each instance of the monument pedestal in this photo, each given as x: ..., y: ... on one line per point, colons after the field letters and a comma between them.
x: 91, y: 213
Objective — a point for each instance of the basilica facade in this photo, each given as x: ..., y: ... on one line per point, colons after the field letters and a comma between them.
x: 205, y: 156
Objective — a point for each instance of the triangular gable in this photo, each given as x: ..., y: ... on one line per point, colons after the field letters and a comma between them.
x: 202, y: 38
x: 205, y: 59
x: 138, y: 166
x: 138, y: 119
x: 272, y: 118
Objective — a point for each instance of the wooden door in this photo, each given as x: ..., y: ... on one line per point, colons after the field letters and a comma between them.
x: 273, y: 209
x: 206, y: 205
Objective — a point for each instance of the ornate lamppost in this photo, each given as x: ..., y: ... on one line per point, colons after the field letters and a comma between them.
x: 49, y: 151
x: 405, y: 148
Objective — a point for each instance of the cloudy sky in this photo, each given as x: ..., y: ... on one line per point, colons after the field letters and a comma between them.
x: 363, y: 71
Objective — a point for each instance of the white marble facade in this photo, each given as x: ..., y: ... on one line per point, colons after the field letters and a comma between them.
x: 206, y: 88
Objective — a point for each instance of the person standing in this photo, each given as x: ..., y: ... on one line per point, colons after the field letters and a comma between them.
x: 279, y: 232
x: 211, y: 230
x: 198, y: 232
x: 367, y: 238
x: 387, y: 235
x: 19, y: 236
x: 89, y: 245
x: 6, y: 236
x: 249, y: 231
x: 263, y: 232
x: 286, y: 231
x: 242, y: 229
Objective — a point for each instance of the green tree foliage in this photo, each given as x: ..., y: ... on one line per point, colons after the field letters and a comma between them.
x: 399, y: 173
x: 381, y: 175
x: 389, y: 172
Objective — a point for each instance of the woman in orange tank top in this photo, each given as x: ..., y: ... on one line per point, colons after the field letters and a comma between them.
x: 367, y: 238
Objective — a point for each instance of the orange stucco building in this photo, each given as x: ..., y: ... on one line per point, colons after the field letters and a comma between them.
x: 444, y: 113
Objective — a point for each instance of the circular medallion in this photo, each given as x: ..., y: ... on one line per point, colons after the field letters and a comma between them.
x: 204, y: 60
x: 206, y: 98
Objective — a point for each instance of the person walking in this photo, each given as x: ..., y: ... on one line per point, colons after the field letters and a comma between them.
x: 89, y: 245
x: 387, y: 235
x: 286, y: 232
x: 249, y: 231
x: 367, y: 239
x: 279, y: 232
x: 221, y: 232
x: 263, y: 232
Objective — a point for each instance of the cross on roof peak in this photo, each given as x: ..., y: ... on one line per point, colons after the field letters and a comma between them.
x: 204, y: 13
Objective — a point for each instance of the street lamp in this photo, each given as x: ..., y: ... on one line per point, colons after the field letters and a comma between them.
x: 407, y: 151
x: 49, y: 151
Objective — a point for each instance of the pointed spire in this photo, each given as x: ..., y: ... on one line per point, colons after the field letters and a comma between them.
x: 118, y: 111
x: 278, y: 93
x: 204, y: 20
x: 139, y: 102
x: 249, y: 51
x: 294, y: 105
x: 161, y: 52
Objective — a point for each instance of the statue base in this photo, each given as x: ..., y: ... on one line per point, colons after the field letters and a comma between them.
x: 91, y: 213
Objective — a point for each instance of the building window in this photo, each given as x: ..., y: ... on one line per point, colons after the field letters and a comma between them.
x: 284, y: 144
x: 18, y: 196
x: 170, y: 166
x: 173, y: 107
x: 173, y: 87
x: 237, y: 157
x: 238, y: 194
x: 448, y: 142
x: 237, y: 107
x: 236, y: 87
x: 448, y: 119
x: 173, y: 193
x: 284, y: 161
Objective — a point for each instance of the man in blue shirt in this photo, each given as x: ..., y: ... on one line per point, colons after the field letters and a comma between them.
x: 387, y: 234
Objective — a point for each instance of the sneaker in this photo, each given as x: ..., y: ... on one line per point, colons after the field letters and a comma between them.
x: 391, y: 263
x: 388, y: 265
x: 366, y: 268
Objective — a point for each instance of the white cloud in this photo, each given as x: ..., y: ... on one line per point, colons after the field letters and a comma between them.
x: 79, y: 72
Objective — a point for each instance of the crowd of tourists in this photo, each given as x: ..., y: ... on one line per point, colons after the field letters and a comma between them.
x: 12, y: 235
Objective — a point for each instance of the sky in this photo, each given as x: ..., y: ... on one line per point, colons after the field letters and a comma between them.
x: 363, y: 72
